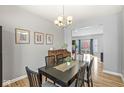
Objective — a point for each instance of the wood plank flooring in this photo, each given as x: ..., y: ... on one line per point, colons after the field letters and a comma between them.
x: 100, y: 79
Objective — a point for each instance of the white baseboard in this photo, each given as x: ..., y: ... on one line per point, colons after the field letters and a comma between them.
x: 114, y: 73
x: 14, y: 80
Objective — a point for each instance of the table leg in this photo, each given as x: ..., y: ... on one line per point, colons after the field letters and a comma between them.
x: 40, y: 76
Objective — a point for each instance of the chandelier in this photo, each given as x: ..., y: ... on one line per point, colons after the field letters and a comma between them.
x: 63, y: 21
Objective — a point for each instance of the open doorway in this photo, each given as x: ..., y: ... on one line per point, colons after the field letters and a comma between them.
x: 88, y: 40
x: 91, y: 46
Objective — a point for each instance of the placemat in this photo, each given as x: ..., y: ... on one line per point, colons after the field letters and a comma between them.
x: 63, y: 67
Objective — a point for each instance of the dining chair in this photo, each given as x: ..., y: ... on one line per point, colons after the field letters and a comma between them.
x: 50, y: 61
x: 59, y: 59
x: 80, y: 76
x: 35, y: 81
x: 88, y: 79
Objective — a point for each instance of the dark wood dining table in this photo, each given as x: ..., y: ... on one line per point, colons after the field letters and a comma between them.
x: 63, y: 78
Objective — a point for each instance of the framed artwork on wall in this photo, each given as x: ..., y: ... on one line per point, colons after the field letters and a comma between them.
x: 49, y: 39
x: 22, y: 36
x: 38, y: 38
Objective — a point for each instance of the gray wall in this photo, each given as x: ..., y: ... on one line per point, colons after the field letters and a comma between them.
x: 17, y: 56
x: 68, y: 38
x: 123, y: 44
x: 112, y: 27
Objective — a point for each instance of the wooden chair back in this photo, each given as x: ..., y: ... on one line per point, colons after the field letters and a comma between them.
x: 33, y: 77
x: 59, y: 59
x: 50, y: 61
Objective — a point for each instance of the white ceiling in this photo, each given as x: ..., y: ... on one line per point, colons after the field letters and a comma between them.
x: 89, y: 30
x: 78, y: 12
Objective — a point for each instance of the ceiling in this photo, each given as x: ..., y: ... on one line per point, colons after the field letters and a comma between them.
x: 78, y: 12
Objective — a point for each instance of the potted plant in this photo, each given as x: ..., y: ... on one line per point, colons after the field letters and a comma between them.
x: 68, y: 60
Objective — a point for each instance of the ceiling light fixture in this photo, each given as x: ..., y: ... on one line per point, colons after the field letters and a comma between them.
x: 63, y: 21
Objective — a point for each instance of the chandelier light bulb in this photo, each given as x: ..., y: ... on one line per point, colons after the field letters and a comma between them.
x: 56, y: 22
x: 59, y: 24
x: 69, y: 18
x: 69, y: 22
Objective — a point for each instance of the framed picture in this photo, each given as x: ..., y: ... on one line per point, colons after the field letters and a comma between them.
x: 22, y: 36
x: 49, y: 39
x: 38, y: 38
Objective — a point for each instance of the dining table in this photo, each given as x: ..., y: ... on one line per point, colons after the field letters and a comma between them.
x: 63, y: 74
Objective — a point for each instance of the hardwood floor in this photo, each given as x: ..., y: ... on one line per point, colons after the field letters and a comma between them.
x: 100, y: 79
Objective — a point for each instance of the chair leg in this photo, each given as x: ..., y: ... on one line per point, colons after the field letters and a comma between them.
x: 88, y: 83
x: 46, y: 79
x: 83, y: 84
x: 91, y: 83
